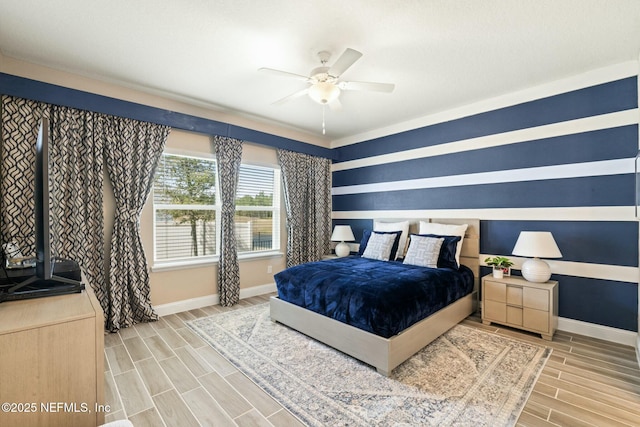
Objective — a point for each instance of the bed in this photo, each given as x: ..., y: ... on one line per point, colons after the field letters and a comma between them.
x: 373, y: 341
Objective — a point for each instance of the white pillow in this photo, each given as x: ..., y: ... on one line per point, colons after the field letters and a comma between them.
x: 379, y: 246
x: 395, y: 226
x: 423, y: 251
x: 445, y: 230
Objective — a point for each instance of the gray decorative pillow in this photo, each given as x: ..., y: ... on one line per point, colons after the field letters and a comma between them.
x: 423, y: 251
x: 379, y: 246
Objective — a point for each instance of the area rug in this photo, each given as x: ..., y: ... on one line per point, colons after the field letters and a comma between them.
x: 466, y: 377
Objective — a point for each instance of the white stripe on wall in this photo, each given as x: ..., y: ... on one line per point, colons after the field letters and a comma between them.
x: 578, y: 269
x: 603, y: 121
x: 582, y: 213
x: 574, y: 170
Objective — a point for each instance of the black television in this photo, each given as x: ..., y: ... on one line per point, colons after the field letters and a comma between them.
x: 45, y: 281
x: 44, y: 262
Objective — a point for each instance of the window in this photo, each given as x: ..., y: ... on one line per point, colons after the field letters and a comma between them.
x: 257, y: 218
x: 187, y: 209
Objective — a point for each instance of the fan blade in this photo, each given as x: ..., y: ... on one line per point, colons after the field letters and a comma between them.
x: 292, y: 96
x: 368, y: 86
x: 348, y: 58
x: 335, y: 105
x: 284, y: 74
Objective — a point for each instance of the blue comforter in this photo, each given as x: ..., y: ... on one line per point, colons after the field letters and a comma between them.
x: 381, y: 297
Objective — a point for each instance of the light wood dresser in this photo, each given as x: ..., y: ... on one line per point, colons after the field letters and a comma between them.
x: 514, y: 301
x: 52, y: 361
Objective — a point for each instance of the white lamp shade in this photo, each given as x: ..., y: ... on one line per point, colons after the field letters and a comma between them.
x: 324, y: 92
x: 536, y: 244
x: 342, y: 233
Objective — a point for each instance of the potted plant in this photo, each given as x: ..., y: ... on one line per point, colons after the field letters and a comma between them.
x: 500, y: 265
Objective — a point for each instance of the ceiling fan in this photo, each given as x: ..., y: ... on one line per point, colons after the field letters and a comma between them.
x: 325, y: 84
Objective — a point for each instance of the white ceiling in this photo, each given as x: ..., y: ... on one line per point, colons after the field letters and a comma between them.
x: 440, y: 54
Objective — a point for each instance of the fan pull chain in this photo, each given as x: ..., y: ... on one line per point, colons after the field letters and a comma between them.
x: 323, y: 129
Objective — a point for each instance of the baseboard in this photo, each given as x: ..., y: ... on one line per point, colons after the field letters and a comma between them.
x: 186, y: 305
x: 257, y: 290
x: 193, y: 303
x: 592, y: 330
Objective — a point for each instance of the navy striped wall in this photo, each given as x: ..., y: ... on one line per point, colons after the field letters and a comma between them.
x: 600, y: 99
x: 561, y: 163
x: 604, y: 144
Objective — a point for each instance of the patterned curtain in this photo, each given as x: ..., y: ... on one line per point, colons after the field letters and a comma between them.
x: 228, y: 156
x: 132, y: 152
x: 307, y: 192
x: 78, y: 229
x: 76, y: 175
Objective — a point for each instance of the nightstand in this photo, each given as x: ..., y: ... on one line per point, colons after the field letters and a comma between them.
x: 330, y: 256
x: 516, y: 302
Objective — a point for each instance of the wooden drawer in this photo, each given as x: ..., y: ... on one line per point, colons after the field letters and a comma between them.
x: 514, y: 295
x: 495, y: 291
x: 536, y: 298
x: 514, y: 315
x: 494, y: 310
x: 536, y: 320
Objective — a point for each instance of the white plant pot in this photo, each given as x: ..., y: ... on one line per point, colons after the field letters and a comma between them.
x: 498, y: 273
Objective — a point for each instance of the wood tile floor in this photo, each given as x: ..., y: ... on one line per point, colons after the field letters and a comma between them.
x: 162, y: 374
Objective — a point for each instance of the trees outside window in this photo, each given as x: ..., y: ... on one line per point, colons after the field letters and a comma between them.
x: 186, y: 209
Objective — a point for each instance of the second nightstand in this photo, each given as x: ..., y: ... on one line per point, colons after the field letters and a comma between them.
x: 516, y: 302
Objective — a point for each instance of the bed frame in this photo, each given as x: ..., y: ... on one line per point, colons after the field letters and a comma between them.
x: 386, y: 353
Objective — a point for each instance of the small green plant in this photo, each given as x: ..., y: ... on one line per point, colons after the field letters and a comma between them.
x: 499, y: 262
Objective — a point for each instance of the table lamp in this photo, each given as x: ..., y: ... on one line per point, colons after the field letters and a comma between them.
x: 342, y: 233
x: 536, y: 244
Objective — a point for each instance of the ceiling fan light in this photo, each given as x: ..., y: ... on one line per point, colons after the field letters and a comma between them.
x: 324, y: 93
